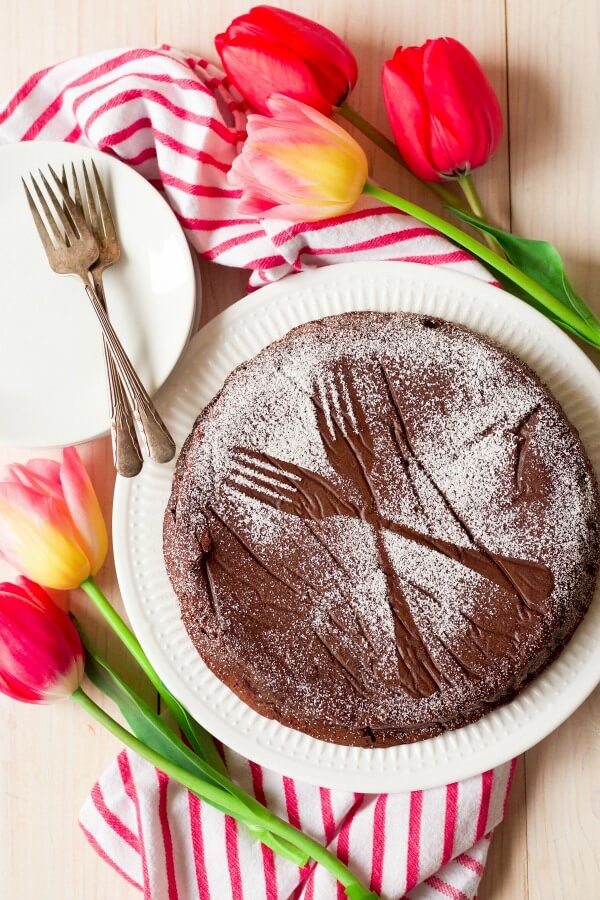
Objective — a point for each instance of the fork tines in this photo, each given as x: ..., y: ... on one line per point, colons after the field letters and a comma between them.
x: 63, y: 220
x: 62, y: 228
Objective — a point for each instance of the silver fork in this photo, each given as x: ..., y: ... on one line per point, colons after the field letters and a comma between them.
x: 126, y: 449
x: 73, y: 252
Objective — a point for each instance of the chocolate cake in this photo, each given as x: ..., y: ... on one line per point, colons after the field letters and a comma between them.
x: 381, y: 527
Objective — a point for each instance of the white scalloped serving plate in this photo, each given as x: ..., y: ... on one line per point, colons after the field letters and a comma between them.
x: 234, y: 336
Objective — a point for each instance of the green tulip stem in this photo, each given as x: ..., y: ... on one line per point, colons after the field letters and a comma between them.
x: 488, y: 256
x: 467, y: 185
x: 384, y: 143
x: 468, y: 188
x: 233, y: 805
x: 200, y: 740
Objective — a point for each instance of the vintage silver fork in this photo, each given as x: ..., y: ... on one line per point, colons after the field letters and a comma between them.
x: 126, y: 449
x: 72, y: 252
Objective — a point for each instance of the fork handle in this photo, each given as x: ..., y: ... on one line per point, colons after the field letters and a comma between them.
x: 160, y: 444
x: 127, y: 455
x: 126, y: 449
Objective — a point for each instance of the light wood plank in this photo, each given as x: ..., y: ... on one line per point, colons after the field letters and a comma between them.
x: 554, y: 63
x: 563, y: 809
x: 505, y: 875
x: 554, y: 57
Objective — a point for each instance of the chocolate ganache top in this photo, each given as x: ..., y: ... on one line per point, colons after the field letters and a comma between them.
x: 381, y: 527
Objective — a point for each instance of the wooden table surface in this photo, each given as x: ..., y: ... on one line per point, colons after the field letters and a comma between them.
x: 543, y: 57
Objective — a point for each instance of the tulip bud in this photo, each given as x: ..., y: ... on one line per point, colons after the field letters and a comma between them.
x: 41, y: 656
x: 298, y: 165
x: 444, y: 113
x: 51, y: 526
x: 271, y: 51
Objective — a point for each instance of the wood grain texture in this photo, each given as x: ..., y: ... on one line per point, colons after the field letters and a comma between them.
x: 553, y: 72
x: 544, y: 61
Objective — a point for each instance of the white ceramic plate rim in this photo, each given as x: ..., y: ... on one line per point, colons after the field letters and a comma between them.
x: 454, y: 755
x: 38, y: 153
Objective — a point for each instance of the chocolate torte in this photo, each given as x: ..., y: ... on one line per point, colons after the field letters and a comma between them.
x: 381, y: 527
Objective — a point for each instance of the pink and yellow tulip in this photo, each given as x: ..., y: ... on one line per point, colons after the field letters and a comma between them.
x: 41, y: 657
x: 51, y: 526
x: 298, y: 165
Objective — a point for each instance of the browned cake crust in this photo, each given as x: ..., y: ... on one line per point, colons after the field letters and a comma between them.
x: 380, y: 528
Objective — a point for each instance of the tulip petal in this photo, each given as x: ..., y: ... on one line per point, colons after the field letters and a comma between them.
x: 25, y: 589
x: 41, y: 656
x: 333, y: 64
x: 34, y: 592
x: 47, y: 468
x: 298, y: 165
x: 286, y: 110
x: 31, y: 591
x: 36, y: 537
x: 270, y: 64
x: 290, y: 212
x: 17, y: 691
x: 463, y: 102
x: 404, y: 96
x: 293, y: 55
x: 83, y: 506
x: 301, y: 182
x: 35, y: 595
x: 443, y: 111
x: 39, y: 478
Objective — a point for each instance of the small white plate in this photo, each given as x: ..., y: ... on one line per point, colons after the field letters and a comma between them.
x: 52, y: 379
x: 239, y: 333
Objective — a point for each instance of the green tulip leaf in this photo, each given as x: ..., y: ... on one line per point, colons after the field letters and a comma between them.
x: 578, y: 303
x: 541, y: 261
x: 200, y: 740
x: 146, y: 724
x: 150, y: 728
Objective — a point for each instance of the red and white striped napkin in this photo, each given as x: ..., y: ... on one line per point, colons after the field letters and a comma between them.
x: 177, y: 121
x: 426, y: 845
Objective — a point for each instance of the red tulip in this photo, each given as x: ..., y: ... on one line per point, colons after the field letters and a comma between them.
x: 272, y: 51
x: 443, y: 111
x: 41, y: 656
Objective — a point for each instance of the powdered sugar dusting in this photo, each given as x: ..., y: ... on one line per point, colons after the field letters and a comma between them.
x: 454, y: 461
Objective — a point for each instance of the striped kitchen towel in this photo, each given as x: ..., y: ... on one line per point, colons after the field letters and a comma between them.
x: 425, y: 845
x: 178, y: 122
